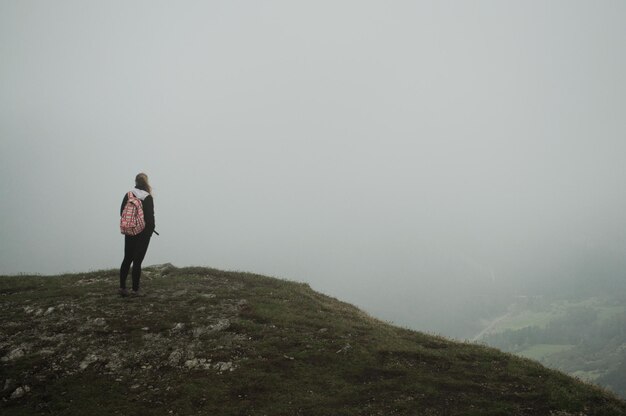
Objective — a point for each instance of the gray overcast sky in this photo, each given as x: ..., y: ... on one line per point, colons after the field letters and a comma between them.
x: 379, y: 150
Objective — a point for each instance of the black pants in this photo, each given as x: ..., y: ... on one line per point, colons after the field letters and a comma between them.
x: 135, y: 248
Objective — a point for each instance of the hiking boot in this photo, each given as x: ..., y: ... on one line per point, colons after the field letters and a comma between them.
x: 123, y: 292
x: 137, y: 294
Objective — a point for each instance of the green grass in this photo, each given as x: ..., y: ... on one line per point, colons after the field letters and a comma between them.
x: 525, y: 319
x: 559, y: 309
x: 539, y: 351
x: 588, y: 375
x: 294, y: 352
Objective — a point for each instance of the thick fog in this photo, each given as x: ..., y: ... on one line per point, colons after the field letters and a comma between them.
x: 402, y: 156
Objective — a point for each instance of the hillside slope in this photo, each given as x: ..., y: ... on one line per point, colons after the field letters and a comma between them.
x: 208, y: 342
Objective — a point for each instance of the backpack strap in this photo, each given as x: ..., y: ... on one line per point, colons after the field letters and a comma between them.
x: 133, y: 199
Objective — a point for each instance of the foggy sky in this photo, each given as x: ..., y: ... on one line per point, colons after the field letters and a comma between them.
x: 396, y: 155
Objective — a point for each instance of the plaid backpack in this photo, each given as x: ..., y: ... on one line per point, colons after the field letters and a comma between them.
x: 132, y: 222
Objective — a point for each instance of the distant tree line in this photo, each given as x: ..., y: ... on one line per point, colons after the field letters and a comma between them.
x: 598, y: 344
x: 576, y: 326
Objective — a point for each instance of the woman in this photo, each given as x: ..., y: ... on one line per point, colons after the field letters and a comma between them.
x: 135, y: 246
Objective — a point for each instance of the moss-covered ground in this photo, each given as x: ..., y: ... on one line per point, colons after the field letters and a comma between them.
x: 209, y: 342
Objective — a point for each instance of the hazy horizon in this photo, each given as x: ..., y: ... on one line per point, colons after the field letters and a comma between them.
x: 395, y: 155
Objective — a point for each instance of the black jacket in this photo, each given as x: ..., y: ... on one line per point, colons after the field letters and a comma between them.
x: 148, y: 214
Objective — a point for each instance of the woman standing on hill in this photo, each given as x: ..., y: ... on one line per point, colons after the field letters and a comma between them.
x: 135, y: 246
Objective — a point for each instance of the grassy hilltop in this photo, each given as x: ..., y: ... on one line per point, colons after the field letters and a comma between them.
x: 208, y: 342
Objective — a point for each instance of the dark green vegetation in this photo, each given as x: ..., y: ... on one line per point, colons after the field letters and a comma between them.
x: 207, y: 342
x: 583, y: 336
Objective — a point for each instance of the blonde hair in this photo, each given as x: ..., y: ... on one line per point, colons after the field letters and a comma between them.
x: 141, y: 182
